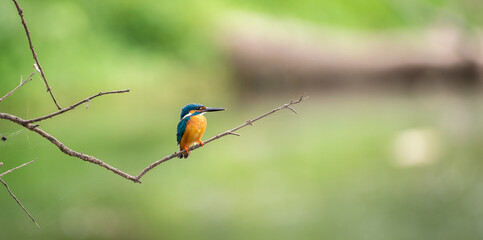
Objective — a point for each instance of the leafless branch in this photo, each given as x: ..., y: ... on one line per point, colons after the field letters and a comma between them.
x: 88, y: 100
x: 15, y: 89
x: 13, y: 195
x: 35, y: 128
x: 27, y: 32
x: 229, y: 132
x: 13, y: 169
x: 18, y: 201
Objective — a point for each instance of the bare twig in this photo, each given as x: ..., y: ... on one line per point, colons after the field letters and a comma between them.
x: 18, y: 201
x: 27, y: 32
x: 15, y: 89
x: 34, y: 127
x: 291, y: 109
x: 229, y: 132
x: 13, y: 169
x: 13, y: 195
x: 88, y: 100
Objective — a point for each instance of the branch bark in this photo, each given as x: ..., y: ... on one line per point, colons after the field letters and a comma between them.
x: 34, y: 54
x: 13, y: 195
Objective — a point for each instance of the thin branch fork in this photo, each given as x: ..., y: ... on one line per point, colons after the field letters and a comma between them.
x: 15, y: 89
x: 13, y: 195
x: 27, y: 32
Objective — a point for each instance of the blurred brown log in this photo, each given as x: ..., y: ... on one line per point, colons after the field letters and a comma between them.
x: 272, y: 55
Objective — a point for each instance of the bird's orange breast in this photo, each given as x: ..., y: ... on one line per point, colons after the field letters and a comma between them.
x: 195, y: 127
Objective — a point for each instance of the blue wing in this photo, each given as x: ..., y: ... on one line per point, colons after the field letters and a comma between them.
x: 181, y: 128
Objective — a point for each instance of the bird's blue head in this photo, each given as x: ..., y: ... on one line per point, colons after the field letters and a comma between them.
x: 193, y: 108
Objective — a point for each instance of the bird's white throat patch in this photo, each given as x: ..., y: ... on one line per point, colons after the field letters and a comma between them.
x: 189, y: 114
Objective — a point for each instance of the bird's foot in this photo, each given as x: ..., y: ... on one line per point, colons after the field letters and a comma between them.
x: 201, y: 143
x: 185, y: 155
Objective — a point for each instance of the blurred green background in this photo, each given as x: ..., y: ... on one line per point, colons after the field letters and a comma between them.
x: 353, y: 164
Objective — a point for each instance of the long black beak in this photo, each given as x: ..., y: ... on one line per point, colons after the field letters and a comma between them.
x: 212, y: 109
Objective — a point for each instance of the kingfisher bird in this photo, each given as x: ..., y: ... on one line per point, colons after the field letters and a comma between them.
x: 192, y: 125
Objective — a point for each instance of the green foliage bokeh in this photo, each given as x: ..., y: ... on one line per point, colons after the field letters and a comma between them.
x: 327, y: 173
